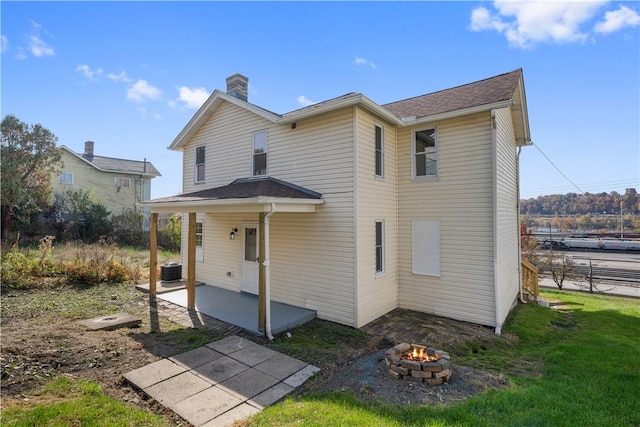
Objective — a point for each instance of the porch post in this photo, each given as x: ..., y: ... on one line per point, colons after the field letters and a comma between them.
x: 262, y: 301
x: 153, y: 253
x: 191, y: 262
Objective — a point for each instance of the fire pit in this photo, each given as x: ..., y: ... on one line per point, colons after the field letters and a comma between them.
x: 418, y: 363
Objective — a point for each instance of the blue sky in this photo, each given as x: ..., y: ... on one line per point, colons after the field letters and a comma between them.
x: 130, y: 75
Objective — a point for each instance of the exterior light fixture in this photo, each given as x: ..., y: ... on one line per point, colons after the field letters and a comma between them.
x: 232, y: 235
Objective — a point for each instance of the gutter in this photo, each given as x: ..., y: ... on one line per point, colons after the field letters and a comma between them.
x: 267, y: 272
x: 518, y: 216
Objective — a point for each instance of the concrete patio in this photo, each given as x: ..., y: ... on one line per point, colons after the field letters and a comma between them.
x: 240, y: 309
x: 221, y: 382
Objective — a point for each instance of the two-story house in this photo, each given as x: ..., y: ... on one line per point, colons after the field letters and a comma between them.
x: 351, y: 208
x: 119, y: 184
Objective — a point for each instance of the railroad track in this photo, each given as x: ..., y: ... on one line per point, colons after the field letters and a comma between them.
x: 610, y: 274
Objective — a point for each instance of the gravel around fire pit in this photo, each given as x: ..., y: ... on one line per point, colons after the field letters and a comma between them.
x: 369, y: 380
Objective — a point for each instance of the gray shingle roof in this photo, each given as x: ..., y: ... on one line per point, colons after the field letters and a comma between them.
x: 244, y: 188
x: 483, y: 92
x: 111, y: 164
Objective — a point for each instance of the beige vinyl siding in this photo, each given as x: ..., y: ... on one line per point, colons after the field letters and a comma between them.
x: 376, y: 199
x: 507, y: 215
x: 99, y: 183
x: 461, y: 198
x: 312, y: 254
x: 228, y: 153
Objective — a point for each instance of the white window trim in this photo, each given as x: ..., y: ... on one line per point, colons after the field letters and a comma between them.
x: 122, y: 180
x: 378, y: 125
x: 383, y: 246
x: 66, y: 174
x: 266, y: 153
x: 195, y: 165
x: 414, y: 176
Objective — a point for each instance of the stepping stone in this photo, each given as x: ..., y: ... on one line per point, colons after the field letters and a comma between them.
x: 111, y: 322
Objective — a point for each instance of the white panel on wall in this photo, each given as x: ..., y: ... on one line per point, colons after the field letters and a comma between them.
x: 426, y: 247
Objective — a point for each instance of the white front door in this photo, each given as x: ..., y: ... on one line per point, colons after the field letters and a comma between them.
x: 250, y: 263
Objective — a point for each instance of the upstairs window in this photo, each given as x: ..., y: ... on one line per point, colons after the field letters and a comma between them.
x: 66, y: 178
x: 260, y: 153
x: 121, y: 182
x: 425, y: 153
x: 199, y: 170
x: 379, y: 151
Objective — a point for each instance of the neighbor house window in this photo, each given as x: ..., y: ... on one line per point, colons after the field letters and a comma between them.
x: 121, y: 182
x: 66, y: 178
x: 199, y: 172
x: 425, y: 247
x: 260, y: 153
x: 379, y: 247
x: 379, y: 151
x: 425, y: 153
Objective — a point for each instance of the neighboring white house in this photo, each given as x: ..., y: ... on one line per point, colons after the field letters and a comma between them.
x: 367, y: 207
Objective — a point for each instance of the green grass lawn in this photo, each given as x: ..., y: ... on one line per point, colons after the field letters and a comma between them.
x: 574, y: 366
x: 588, y: 358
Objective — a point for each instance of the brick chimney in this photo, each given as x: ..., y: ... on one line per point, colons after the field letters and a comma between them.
x: 88, y: 149
x: 238, y: 86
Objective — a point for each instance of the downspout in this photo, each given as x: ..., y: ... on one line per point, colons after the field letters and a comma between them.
x: 267, y: 272
x: 496, y: 289
x: 518, y: 225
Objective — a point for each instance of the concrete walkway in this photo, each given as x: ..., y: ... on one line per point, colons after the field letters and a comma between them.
x: 221, y: 382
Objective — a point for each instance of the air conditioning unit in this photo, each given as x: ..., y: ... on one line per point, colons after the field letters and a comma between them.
x: 170, y: 271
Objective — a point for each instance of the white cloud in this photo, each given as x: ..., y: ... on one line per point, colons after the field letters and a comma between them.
x: 362, y: 61
x: 88, y: 72
x: 191, y: 97
x: 526, y: 23
x: 4, y: 43
x: 37, y: 46
x: 120, y: 77
x: 141, y: 91
x: 617, y: 20
x: 303, y: 100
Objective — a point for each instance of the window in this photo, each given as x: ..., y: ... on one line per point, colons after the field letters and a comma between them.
x: 66, y: 178
x: 425, y: 153
x: 121, y: 182
x: 199, y: 241
x: 379, y: 151
x: 260, y: 153
x: 198, y: 234
x: 379, y: 247
x: 425, y: 247
x: 199, y: 172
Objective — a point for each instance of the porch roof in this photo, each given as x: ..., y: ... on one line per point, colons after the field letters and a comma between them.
x: 242, y: 195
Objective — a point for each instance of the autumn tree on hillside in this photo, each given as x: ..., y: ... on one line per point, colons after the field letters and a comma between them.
x: 29, y: 158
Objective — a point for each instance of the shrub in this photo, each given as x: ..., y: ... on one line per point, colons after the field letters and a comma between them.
x: 127, y: 229
x: 21, y: 268
x: 170, y: 237
x: 93, y: 264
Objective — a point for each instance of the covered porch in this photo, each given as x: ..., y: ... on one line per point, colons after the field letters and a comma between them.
x: 262, y: 197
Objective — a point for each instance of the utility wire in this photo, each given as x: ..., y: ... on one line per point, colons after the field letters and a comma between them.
x: 556, y: 168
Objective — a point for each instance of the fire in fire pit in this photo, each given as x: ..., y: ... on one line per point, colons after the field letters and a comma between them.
x: 418, y: 363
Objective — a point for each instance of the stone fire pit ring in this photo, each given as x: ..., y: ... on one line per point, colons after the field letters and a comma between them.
x: 434, y: 371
